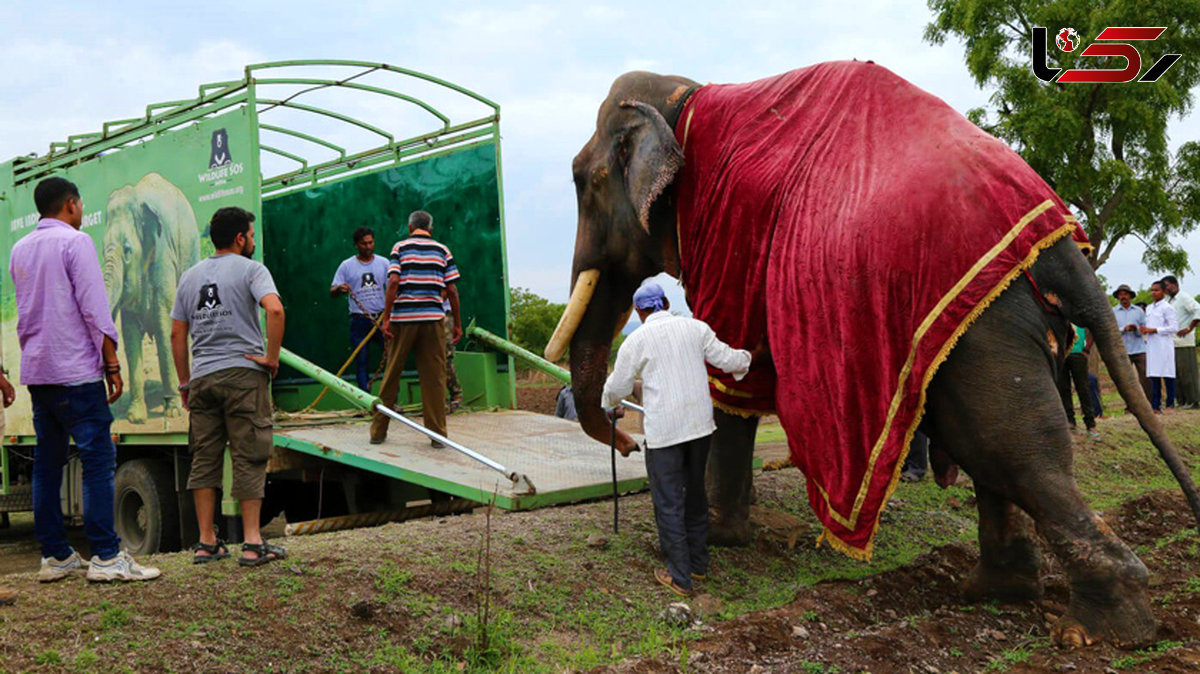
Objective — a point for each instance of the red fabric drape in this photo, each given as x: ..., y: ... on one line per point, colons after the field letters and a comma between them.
x: 862, y: 224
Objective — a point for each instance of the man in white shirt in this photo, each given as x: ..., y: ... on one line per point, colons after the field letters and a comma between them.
x: 1187, y: 375
x: 669, y: 352
x: 1160, y: 328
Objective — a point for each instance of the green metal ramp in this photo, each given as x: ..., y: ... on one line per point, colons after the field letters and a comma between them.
x: 559, y: 462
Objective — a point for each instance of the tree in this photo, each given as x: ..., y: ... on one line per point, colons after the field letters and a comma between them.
x: 1102, y: 147
x: 533, y: 319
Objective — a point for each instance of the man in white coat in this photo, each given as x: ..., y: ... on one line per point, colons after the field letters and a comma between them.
x: 1160, y: 328
x: 669, y: 353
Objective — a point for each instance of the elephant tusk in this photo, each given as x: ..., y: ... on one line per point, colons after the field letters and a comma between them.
x: 581, y: 294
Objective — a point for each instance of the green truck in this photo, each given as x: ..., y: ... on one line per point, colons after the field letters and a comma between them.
x: 315, y: 149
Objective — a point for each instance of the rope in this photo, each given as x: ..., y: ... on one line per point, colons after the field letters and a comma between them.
x: 363, y: 343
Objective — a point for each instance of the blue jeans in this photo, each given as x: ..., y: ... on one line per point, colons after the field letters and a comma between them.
x: 681, y: 506
x: 359, y: 327
x: 80, y: 413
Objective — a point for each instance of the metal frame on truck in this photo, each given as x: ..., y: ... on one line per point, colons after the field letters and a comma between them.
x: 311, y: 147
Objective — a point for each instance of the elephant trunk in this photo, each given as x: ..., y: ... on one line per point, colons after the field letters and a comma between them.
x: 590, y: 347
x: 1093, y: 311
x: 113, y: 280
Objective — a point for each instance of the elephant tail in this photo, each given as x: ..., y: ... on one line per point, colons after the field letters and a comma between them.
x: 1087, y: 305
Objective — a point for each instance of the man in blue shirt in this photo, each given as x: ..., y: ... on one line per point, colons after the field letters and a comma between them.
x: 1129, y: 319
x: 363, y: 279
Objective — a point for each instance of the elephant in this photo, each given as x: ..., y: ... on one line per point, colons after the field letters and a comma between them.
x: 991, y: 405
x: 151, y: 239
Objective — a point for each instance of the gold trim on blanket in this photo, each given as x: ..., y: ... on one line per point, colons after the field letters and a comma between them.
x: 865, y: 553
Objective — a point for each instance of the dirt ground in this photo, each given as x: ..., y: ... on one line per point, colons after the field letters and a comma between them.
x: 557, y: 590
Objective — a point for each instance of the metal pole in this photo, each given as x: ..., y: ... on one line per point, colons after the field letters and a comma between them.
x: 612, y: 451
x: 368, y: 401
x: 380, y: 407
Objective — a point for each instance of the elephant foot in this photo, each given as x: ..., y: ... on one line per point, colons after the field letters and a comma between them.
x: 1123, y: 631
x: 728, y: 533
x: 1004, y: 585
x: 1121, y: 616
x: 137, y: 412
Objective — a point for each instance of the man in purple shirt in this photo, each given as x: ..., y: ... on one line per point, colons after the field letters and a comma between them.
x: 68, y: 355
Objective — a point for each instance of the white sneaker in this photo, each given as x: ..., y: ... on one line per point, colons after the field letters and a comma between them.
x: 57, y: 569
x: 121, y: 567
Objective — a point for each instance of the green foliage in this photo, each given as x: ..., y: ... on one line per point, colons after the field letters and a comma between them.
x: 48, y: 657
x: 1102, y: 147
x: 533, y: 319
x: 392, y: 580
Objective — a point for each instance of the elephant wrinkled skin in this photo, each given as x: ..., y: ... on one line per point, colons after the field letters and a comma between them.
x: 151, y: 239
x: 1007, y: 430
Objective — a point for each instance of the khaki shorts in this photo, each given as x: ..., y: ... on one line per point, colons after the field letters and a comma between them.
x: 230, y: 406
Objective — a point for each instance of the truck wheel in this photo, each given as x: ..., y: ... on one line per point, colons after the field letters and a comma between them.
x: 146, y: 509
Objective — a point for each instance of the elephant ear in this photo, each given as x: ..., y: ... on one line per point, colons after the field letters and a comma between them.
x: 653, y: 159
x: 150, y: 227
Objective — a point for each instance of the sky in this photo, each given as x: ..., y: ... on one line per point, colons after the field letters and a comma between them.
x: 68, y: 67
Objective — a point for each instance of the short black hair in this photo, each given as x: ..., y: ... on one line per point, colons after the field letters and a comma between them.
x: 362, y: 232
x: 227, y: 223
x: 1170, y: 279
x: 52, y: 194
x: 1160, y: 283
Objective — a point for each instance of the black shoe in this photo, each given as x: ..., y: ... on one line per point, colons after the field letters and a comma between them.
x: 436, y: 444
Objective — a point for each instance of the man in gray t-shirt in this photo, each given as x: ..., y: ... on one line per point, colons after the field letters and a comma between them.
x: 227, y: 385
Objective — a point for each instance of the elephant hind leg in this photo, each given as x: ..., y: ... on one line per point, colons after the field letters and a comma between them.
x: 994, y: 407
x: 1009, y: 554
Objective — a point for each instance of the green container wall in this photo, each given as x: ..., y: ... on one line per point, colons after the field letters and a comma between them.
x: 309, y: 234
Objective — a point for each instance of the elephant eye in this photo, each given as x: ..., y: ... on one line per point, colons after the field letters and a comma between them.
x: 128, y: 249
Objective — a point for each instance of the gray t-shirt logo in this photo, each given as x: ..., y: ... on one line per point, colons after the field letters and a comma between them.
x: 368, y: 280
x: 209, y: 297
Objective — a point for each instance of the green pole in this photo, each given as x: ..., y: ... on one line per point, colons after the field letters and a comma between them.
x: 354, y: 394
x: 534, y: 361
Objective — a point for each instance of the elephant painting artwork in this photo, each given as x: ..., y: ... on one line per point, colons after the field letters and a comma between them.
x: 152, y: 238
x: 907, y: 271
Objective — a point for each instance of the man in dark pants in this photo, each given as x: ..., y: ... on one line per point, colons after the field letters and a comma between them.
x: 69, y: 362
x: 362, y: 279
x: 1130, y: 318
x: 669, y: 352
x: 1075, y: 369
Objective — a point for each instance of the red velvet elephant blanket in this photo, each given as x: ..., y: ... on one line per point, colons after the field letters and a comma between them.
x: 862, y: 224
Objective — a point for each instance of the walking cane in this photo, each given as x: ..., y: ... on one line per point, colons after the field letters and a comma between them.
x: 612, y: 451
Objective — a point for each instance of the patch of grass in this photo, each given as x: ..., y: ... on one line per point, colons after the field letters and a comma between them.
x: 86, y: 660
x: 289, y: 585
x: 48, y: 657
x: 809, y: 667
x: 1145, y: 655
x: 392, y: 580
x: 113, y: 617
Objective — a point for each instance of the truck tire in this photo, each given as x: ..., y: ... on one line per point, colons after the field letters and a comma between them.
x: 145, y: 507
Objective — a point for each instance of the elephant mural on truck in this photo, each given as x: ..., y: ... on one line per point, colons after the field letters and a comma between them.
x: 784, y: 208
x: 152, y: 238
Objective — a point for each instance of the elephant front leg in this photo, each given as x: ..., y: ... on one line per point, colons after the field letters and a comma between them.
x: 729, y: 478
x: 172, y: 406
x: 1109, y: 597
x: 1009, y: 554
x: 131, y: 337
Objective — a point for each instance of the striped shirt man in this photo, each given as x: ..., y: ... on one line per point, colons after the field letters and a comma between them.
x: 425, y: 268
